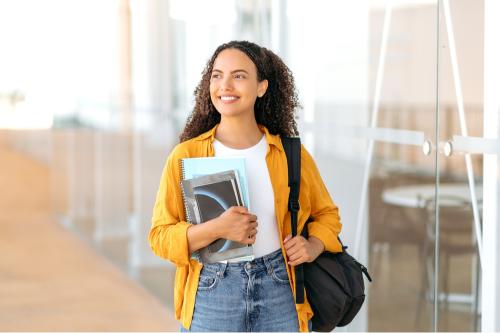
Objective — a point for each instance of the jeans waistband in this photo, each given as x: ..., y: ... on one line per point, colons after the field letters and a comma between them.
x: 263, y: 262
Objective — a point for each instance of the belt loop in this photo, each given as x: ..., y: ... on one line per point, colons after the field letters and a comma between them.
x: 222, y: 269
x: 267, y: 262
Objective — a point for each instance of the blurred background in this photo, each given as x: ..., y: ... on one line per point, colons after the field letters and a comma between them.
x: 400, y: 111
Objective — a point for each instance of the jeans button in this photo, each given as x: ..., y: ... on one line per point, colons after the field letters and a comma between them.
x: 248, y: 265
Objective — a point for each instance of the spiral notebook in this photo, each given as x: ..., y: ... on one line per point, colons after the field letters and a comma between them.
x: 201, y: 166
x: 206, y: 197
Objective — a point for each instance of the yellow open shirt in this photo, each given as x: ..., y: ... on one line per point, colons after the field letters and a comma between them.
x: 168, y: 234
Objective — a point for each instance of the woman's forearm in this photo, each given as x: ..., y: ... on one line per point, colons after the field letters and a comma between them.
x: 201, y: 235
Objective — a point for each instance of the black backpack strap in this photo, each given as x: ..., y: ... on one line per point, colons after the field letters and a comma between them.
x: 292, y: 150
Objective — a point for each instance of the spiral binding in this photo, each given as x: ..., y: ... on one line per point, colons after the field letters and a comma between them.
x: 184, y: 200
x: 196, y: 254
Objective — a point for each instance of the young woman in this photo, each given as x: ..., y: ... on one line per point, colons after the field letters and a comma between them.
x: 245, y: 102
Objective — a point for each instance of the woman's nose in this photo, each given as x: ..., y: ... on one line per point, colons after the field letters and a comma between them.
x: 226, y: 84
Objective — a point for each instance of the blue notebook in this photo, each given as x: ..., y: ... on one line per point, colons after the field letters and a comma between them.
x: 202, y: 166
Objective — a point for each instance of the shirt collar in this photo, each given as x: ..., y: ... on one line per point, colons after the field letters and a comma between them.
x: 272, y: 139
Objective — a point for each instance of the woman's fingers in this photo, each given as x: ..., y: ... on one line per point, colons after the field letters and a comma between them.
x: 251, y: 217
x: 243, y: 211
x: 249, y: 231
x: 298, y: 250
x: 252, y: 233
x: 291, y: 244
x: 298, y: 258
x: 296, y: 262
x: 287, y: 238
x: 238, y: 209
x: 240, y: 225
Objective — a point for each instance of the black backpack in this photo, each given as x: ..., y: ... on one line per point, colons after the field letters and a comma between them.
x: 334, y: 281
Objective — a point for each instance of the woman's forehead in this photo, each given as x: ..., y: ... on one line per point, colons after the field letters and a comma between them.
x: 233, y: 59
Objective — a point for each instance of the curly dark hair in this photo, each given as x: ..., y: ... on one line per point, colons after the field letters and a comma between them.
x: 275, y: 110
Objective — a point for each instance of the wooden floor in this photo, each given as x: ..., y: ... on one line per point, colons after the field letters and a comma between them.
x: 50, y: 280
x: 393, y: 300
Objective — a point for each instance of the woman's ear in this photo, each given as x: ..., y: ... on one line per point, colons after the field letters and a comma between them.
x: 262, y: 88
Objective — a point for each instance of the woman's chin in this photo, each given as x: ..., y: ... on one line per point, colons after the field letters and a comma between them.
x: 231, y: 113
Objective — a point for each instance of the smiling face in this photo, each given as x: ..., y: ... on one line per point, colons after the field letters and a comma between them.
x: 234, y: 86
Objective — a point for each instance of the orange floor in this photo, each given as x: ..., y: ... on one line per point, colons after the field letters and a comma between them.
x: 49, y: 279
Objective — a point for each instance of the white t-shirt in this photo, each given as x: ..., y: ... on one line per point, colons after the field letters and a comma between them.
x: 260, y: 192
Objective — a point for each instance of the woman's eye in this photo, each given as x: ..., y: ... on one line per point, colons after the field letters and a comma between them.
x: 215, y: 76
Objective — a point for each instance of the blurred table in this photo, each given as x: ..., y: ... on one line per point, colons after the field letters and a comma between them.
x: 415, y: 196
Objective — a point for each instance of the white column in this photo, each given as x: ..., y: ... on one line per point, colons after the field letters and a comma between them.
x: 153, y: 134
x: 113, y: 189
x: 279, y: 25
x: 80, y: 180
x: 112, y: 185
x: 124, y: 66
x: 490, y: 305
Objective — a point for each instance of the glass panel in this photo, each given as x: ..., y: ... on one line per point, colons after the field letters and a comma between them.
x: 369, y: 104
x: 461, y: 92
x: 402, y: 177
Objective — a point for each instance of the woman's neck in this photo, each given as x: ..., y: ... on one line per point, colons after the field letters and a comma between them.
x: 237, y: 134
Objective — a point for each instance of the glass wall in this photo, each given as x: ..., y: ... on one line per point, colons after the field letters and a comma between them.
x: 400, y: 112
x: 459, y: 198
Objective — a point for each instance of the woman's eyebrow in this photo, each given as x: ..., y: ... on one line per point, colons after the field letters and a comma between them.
x: 232, y: 72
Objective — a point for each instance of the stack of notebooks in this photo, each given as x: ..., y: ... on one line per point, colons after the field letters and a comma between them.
x: 211, y: 185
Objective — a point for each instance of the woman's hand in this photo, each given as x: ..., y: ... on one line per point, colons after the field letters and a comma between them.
x: 237, y: 224
x: 300, y: 250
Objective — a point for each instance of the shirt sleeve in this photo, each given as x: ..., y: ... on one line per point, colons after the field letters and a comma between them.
x: 168, y: 234
x: 326, y: 224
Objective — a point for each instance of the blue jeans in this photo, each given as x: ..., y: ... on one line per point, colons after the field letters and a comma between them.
x: 252, y: 296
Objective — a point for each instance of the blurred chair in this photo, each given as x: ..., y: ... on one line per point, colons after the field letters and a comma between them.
x: 456, y: 238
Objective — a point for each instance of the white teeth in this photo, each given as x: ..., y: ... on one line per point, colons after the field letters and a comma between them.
x: 228, y: 98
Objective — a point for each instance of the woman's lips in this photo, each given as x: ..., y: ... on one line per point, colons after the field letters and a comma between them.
x: 228, y: 99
